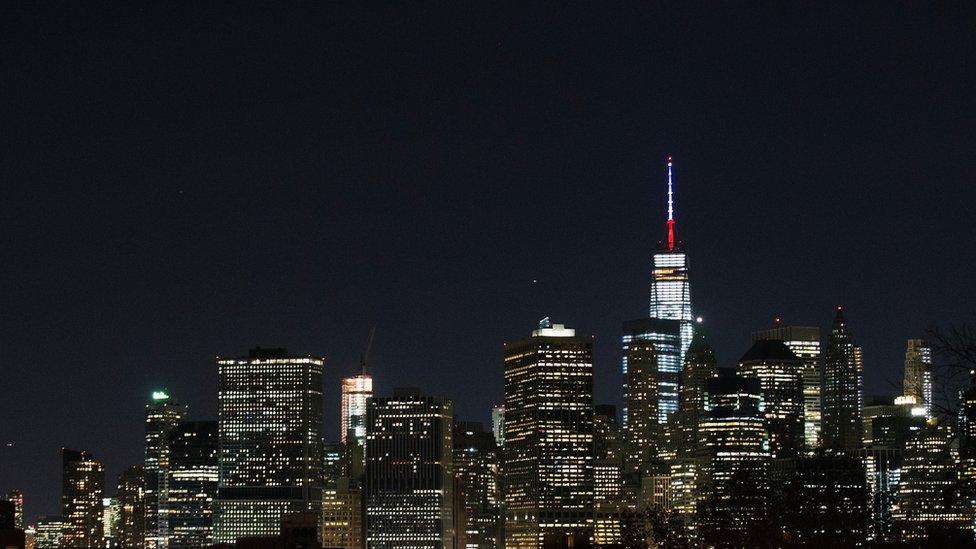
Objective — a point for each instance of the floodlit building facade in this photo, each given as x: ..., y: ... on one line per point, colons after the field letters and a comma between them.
x: 269, y: 410
x: 804, y: 341
x: 547, y: 464
x: 356, y: 390
x: 409, y: 486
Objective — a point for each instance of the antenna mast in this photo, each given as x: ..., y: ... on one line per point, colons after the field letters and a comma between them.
x: 670, y: 209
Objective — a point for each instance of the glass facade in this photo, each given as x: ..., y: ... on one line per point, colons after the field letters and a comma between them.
x: 162, y: 414
x: 356, y: 391
x: 191, y: 485
x: 842, y: 389
x: 804, y: 341
x: 918, y: 374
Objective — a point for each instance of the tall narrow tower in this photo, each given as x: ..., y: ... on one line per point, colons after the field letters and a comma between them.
x: 842, y: 389
x: 918, y: 373
x: 670, y: 291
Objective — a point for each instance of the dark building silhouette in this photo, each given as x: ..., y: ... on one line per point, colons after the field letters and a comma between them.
x: 821, y: 501
x: 476, y: 466
x: 191, y: 484
x: 131, y: 496
x: 842, y: 389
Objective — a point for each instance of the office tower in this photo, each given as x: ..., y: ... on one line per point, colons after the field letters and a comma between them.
x: 967, y: 452
x: 804, y: 341
x: 191, y: 484
x: 110, y: 521
x: 131, y: 495
x: 409, y: 487
x: 888, y: 422
x: 162, y: 414
x: 81, y: 499
x: 780, y: 375
x: 609, y: 499
x: 269, y: 410
x: 735, y: 461
x: 842, y: 389
x: 10, y: 537
x: 476, y: 467
x: 699, y: 367
x: 882, y: 466
x: 928, y: 497
x: 356, y: 390
x: 822, y: 500
x: 49, y: 531
x: 918, y: 374
x: 547, y: 464
x: 652, y: 372
x: 17, y: 498
x: 332, y: 467
x: 342, y: 515
x: 498, y: 424
x: 670, y: 291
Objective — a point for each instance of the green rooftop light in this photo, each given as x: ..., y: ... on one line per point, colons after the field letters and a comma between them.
x: 160, y: 395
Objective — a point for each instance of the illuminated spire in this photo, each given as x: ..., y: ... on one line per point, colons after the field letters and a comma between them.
x: 670, y: 210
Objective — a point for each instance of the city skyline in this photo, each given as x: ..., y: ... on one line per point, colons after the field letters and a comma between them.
x: 460, y: 208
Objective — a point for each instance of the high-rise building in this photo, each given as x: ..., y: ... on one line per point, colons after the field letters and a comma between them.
x: 882, y: 467
x: 842, y: 389
x: 609, y: 499
x: 356, y: 390
x: 652, y: 374
x: 17, y: 498
x: 547, y: 464
x: 269, y: 410
x: 498, y: 424
x: 780, y: 375
x: 342, y: 515
x: 699, y: 367
x: 191, y: 484
x: 735, y: 461
x: 822, y: 500
x: 804, y: 341
x: 162, y: 414
x: 476, y: 467
x: 131, y: 495
x: 918, y: 374
x: 110, y: 522
x: 409, y: 487
x: 889, y: 422
x: 82, y: 479
x: 49, y: 532
x: 967, y: 452
x: 670, y: 290
x: 928, y: 498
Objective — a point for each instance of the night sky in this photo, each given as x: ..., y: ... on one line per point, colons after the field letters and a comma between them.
x: 179, y: 183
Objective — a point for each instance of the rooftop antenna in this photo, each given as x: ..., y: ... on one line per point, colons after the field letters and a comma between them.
x: 365, y: 356
x: 670, y: 209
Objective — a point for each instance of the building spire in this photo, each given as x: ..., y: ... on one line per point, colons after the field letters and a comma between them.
x: 670, y: 209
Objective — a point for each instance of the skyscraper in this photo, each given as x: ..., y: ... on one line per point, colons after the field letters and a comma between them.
x: 476, y: 467
x: 699, y: 367
x: 918, y: 374
x: 780, y: 375
x: 670, y: 290
x: 269, y: 409
x: 50, y: 530
x: 409, y: 488
x: 191, y: 484
x: 652, y: 372
x: 82, y: 479
x: 162, y: 414
x: 498, y: 424
x: 735, y: 461
x: 110, y: 522
x: 804, y: 341
x: 17, y: 498
x: 547, y: 465
x: 842, y: 389
x: 131, y: 495
x: 609, y: 499
x: 356, y: 390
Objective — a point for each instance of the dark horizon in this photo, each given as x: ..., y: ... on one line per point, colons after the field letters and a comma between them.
x: 185, y: 183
